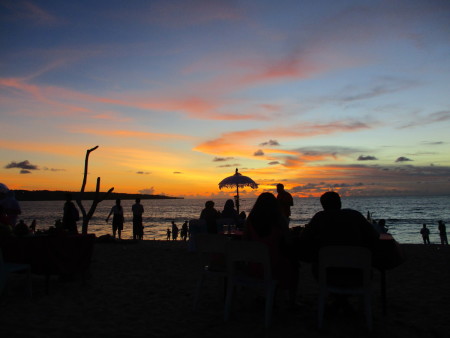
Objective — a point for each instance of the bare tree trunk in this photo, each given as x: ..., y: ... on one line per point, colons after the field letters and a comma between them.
x: 97, y: 198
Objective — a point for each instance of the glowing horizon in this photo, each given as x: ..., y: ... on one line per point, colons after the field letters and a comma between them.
x: 317, y: 95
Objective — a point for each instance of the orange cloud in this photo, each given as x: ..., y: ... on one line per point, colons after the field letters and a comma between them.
x: 128, y: 133
x: 232, y: 143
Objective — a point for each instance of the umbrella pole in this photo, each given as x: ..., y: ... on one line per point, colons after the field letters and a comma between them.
x: 237, y: 198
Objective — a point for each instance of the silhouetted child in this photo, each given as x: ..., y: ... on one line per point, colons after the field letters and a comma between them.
x: 425, y: 232
x: 168, y: 234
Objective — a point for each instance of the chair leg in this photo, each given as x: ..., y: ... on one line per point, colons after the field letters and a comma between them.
x: 30, y: 282
x: 368, y: 310
x: 321, y: 309
x: 270, y: 294
x: 228, y: 300
x: 199, y: 289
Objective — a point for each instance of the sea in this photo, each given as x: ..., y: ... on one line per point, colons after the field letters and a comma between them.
x: 404, y: 215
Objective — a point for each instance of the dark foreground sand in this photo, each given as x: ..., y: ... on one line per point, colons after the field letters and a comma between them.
x: 146, y: 289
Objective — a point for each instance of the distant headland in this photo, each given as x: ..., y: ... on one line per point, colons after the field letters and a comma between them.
x: 47, y: 195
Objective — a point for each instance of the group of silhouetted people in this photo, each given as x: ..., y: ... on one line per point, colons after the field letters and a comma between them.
x: 268, y: 223
x: 118, y: 219
x: 425, y: 232
x: 174, y: 231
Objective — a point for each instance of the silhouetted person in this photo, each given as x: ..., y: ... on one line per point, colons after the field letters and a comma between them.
x: 382, y: 226
x: 210, y: 215
x: 442, y: 233
x: 285, y: 201
x: 266, y: 224
x: 425, y: 232
x: 168, y: 234
x: 138, y: 210
x: 117, y: 223
x: 70, y: 215
x: 33, y: 226
x: 336, y: 226
x: 229, y: 211
x: 184, y: 231
x: 174, y: 231
x: 21, y: 229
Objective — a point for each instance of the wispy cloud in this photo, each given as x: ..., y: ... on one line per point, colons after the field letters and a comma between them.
x: 436, y: 117
x: 127, y: 133
x: 30, y: 12
x: 232, y: 143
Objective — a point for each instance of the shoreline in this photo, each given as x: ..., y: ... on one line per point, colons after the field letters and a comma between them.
x: 146, y: 289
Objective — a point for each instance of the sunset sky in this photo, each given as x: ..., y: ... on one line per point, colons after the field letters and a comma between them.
x: 346, y: 95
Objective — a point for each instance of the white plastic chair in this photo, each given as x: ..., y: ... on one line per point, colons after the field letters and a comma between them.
x: 345, y: 257
x: 241, y: 251
x: 7, y: 268
x: 208, y: 245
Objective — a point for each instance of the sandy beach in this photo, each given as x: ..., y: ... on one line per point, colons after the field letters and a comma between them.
x: 146, y: 289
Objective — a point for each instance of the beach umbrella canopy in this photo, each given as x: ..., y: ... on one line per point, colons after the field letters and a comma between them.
x: 237, y: 181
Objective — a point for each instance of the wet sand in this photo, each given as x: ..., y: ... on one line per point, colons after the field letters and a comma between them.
x: 147, y: 289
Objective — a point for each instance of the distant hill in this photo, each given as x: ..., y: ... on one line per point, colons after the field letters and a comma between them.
x: 46, y: 195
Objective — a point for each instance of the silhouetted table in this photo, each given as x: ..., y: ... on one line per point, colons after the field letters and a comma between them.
x: 50, y: 255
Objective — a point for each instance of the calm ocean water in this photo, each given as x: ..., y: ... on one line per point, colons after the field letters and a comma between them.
x: 404, y: 215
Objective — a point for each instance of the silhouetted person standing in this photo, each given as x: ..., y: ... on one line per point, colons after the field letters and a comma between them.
x: 117, y: 223
x: 285, y: 201
x: 184, y: 231
x: 174, y: 231
x: 442, y: 233
x: 425, y: 232
x: 138, y: 210
x: 70, y: 215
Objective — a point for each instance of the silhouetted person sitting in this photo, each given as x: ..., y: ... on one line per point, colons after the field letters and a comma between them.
x: 425, y: 232
x: 21, y: 229
x: 210, y: 215
x: 382, y: 226
x: 267, y: 224
x: 336, y: 226
x: 229, y: 211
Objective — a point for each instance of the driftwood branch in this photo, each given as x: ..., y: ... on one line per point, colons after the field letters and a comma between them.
x: 97, y: 198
